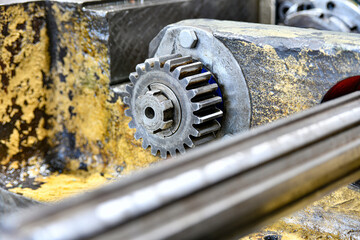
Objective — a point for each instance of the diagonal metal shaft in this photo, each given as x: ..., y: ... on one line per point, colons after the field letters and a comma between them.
x: 224, y: 189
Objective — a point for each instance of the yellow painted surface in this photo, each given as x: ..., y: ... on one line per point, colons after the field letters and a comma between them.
x: 24, y: 62
x: 100, y: 127
x: 57, y: 186
x: 75, y: 102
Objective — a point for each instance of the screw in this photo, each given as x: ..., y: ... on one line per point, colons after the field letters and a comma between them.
x: 188, y: 39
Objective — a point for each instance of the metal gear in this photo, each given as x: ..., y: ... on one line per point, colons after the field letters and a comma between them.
x: 172, y: 104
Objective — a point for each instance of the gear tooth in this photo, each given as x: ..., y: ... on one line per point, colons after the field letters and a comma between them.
x: 204, y: 139
x: 193, y: 132
x: 206, y: 103
x: 132, y: 124
x: 208, y: 128
x: 189, y: 142
x: 198, y: 78
x: 154, y: 151
x: 176, y: 62
x: 163, y: 59
x: 126, y: 100
x: 191, y: 94
x: 197, y: 120
x: 140, y: 69
x: 129, y: 88
x: 128, y: 112
x: 183, y: 71
x: 208, y: 117
x: 157, y: 64
x: 137, y: 135
x: 204, y: 89
x: 167, y: 66
x: 149, y: 64
x: 133, y: 77
x: 145, y: 144
x: 172, y: 152
x: 176, y: 73
x: 163, y: 154
x: 195, y: 106
x: 182, y: 150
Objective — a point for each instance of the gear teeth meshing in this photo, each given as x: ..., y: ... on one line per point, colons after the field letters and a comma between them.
x: 196, y: 89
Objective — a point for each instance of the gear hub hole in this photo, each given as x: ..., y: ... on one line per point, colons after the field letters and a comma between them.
x: 149, y: 113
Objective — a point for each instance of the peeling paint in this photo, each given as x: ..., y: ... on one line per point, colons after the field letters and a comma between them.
x: 24, y: 64
x: 64, y: 72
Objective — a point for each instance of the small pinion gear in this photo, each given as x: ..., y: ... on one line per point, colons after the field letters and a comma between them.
x: 172, y: 104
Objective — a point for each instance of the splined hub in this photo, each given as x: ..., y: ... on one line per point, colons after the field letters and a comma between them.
x: 155, y: 110
x: 172, y: 104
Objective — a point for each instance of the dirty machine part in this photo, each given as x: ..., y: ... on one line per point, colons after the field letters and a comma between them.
x: 173, y: 105
x: 263, y: 73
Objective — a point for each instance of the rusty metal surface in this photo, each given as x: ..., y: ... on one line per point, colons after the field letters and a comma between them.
x: 225, y: 188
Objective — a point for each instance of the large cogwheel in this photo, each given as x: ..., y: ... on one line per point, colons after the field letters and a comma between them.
x: 172, y: 104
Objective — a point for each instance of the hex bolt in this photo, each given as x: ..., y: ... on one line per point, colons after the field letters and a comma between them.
x: 188, y: 39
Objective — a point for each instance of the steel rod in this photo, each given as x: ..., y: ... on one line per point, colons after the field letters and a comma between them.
x: 224, y: 189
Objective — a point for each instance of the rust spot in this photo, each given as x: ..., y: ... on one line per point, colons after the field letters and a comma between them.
x: 5, y: 29
x: 37, y: 23
x: 21, y: 26
x: 15, y: 47
x: 2, y: 64
x: 4, y: 81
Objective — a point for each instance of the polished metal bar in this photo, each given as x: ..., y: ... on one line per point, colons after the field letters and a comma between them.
x: 224, y: 189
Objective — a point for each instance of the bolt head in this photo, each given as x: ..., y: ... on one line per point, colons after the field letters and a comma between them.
x: 188, y: 39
